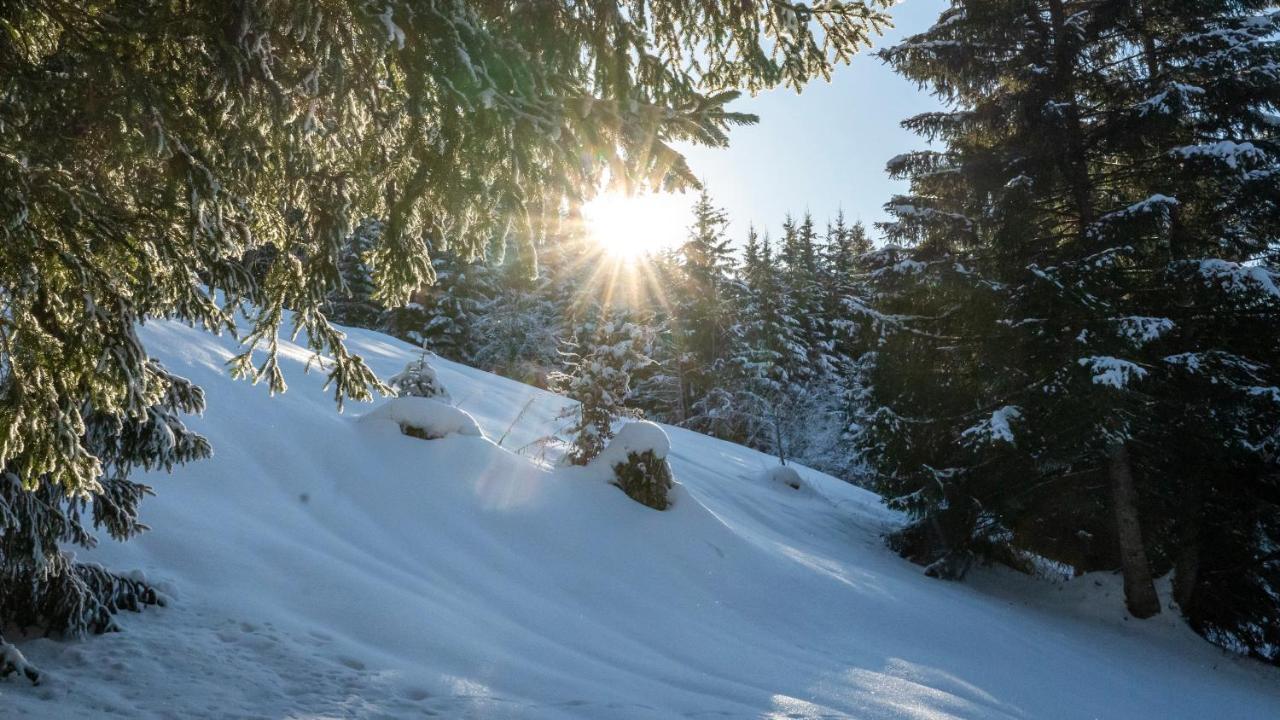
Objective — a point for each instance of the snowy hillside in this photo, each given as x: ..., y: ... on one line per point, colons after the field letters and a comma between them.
x: 324, y: 567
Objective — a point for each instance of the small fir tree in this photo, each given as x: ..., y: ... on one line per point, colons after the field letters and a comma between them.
x: 599, y: 364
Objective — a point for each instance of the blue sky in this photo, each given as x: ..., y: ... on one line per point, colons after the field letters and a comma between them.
x: 824, y: 149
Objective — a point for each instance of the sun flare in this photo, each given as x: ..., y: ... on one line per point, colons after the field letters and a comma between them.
x: 630, y: 227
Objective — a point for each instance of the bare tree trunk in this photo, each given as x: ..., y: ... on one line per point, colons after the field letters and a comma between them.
x: 1139, y: 588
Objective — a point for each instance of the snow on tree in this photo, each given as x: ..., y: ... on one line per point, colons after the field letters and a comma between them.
x: 702, y: 313
x: 352, y: 302
x: 1078, y: 326
x: 444, y: 317
x: 43, y: 586
x: 599, y: 362
x: 419, y: 379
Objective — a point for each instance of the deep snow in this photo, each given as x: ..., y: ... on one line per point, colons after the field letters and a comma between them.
x: 324, y: 567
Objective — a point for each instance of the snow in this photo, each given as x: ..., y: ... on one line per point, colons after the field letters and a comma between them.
x: 995, y: 428
x: 435, y: 418
x: 394, y: 33
x: 1141, y: 330
x: 786, y: 476
x: 1111, y: 371
x: 1228, y: 152
x: 636, y: 437
x: 326, y: 566
x: 1234, y: 277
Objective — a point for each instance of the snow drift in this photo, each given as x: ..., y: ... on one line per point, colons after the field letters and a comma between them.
x: 321, y: 566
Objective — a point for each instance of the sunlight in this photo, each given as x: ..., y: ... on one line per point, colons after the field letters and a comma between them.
x: 631, y: 227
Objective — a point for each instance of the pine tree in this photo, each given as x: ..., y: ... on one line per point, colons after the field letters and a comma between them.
x: 703, y: 316
x: 42, y: 586
x: 846, y: 333
x: 600, y: 361
x: 419, y: 379
x: 443, y: 318
x: 765, y: 394
x: 352, y: 302
x: 517, y: 331
x: 194, y: 160
x: 800, y: 276
x: 1081, y: 333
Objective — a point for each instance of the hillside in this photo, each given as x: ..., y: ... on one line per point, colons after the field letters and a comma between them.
x: 323, y: 567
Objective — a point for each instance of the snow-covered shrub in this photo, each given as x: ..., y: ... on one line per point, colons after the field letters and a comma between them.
x: 425, y: 418
x: 419, y: 379
x: 637, y: 461
x: 787, y: 476
x: 12, y: 661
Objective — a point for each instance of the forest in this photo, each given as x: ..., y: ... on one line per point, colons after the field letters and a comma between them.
x: 1059, y: 355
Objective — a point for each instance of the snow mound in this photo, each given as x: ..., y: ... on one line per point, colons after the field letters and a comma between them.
x: 634, y: 437
x: 424, y: 417
x: 786, y: 476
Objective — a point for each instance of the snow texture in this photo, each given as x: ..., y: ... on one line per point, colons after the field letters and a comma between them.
x: 636, y: 437
x: 786, y: 476
x: 1112, y: 372
x: 1234, y: 277
x: 995, y: 428
x: 431, y: 417
x: 323, y: 567
x: 1142, y: 330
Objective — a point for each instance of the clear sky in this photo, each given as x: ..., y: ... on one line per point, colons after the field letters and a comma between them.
x: 824, y: 149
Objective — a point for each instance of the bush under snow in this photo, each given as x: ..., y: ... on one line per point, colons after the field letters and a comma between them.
x: 425, y: 418
x: 786, y: 475
x: 636, y: 462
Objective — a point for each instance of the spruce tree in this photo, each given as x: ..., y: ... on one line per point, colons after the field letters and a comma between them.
x: 1081, y: 327
x: 703, y: 315
x: 766, y: 393
x: 599, y: 362
x: 197, y: 159
x: 443, y: 318
x: 352, y: 302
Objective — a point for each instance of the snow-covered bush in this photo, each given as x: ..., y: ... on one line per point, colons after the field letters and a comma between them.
x: 637, y: 462
x: 419, y: 379
x: 787, y: 476
x: 12, y: 661
x: 425, y: 418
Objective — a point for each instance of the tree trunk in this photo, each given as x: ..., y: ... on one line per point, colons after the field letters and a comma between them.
x: 1139, y: 588
x: 1186, y: 572
x: 1186, y: 567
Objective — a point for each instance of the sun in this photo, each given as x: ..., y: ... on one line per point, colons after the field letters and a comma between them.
x: 631, y: 227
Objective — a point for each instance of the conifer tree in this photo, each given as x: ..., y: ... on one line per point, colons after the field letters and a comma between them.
x: 798, y: 257
x: 419, y: 379
x: 517, y: 332
x: 152, y: 152
x: 600, y: 361
x: 443, y: 317
x: 703, y: 316
x: 766, y: 393
x: 1082, y: 327
x: 352, y: 302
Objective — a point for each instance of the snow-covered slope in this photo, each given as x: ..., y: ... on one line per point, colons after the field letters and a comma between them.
x: 324, y: 567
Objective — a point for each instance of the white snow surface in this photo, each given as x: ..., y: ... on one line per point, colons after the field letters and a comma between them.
x: 322, y: 567
x: 636, y: 437
x: 433, y: 417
